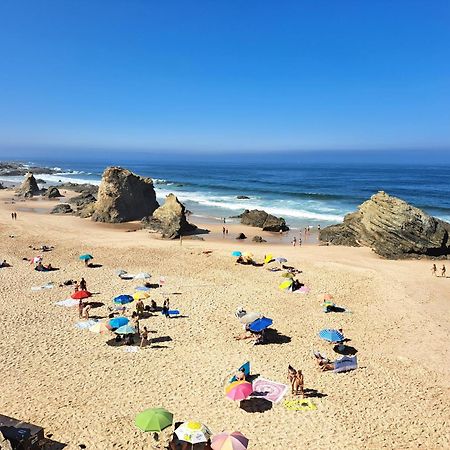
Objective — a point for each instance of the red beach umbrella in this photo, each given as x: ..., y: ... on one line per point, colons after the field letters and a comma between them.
x: 81, y: 294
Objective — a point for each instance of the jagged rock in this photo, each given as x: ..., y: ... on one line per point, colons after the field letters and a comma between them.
x: 261, y: 219
x: 392, y: 228
x: 92, y: 189
x: 29, y: 186
x: 258, y: 239
x: 241, y: 236
x: 62, y: 208
x: 52, y: 192
x: 242, y: 197
x: 124, y: 196
x: 80, y: 201
x: 170, y: 219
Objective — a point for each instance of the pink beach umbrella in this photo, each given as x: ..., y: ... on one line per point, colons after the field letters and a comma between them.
x: 240, y: 391
x: 229, y: 441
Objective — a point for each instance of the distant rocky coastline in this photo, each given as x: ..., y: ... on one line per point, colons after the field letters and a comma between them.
x: 9, y: 169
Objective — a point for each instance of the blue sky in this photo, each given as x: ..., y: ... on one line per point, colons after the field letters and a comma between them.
x: 225, y: 75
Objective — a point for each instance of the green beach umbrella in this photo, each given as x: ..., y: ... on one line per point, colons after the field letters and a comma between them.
x: 154, y: 419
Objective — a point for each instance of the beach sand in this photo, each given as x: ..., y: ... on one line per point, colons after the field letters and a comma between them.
x: 84, y: 391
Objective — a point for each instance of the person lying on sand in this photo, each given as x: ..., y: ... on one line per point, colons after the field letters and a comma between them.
x: 5, y: 264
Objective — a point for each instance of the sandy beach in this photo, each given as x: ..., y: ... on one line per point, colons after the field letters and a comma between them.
x: 86, y: 392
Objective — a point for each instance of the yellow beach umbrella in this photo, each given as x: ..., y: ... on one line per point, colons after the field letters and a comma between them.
x: 141, y: 295
x: 286, y: 284
x: 268, y: 258
x: 100, y: 327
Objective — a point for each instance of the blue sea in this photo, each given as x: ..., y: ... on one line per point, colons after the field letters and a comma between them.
x: 302, y: 192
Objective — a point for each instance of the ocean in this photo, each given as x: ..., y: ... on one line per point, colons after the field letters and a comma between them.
x: 303, y: 193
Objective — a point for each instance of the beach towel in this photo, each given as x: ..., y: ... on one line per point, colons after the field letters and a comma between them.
x: 345, y: 364
x: 245, y: 368
x: 69, y: 302
x: 299, y: 405
x: 130, y: 349
x: 172, y: 312
x: 302, y: 290
x: 269, y: 390
x: 48, y: 285
x: 85, y: 324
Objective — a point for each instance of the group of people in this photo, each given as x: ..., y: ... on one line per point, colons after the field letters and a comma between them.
x: 434, y: 270
x: 224, y: 231
x: 14, y: 216
x: 41, y: 268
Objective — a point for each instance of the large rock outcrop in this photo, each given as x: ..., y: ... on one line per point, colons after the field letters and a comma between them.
x: 261, y: 219
x: 29, y: 186
x: 170, y: 219
x: 392, y: 228
x: 52, y: 192
x: 62, y: 208
x: 124, y: 196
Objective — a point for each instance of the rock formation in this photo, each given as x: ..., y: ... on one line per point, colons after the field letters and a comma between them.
x: 92, y: 189
x: 52, y: 192
x: 124, y: 196
x: 242, y: 197
x: 29, y: 186
x: 241, y: 236
x: 392, y: 228
x: 62, y: 208
x: 170, y: 219
x: 258, y: 239
x: 261, y: 219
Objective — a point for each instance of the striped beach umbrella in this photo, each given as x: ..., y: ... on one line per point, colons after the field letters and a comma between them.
x: 229, y: 441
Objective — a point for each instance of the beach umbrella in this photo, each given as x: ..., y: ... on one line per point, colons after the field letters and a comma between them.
x: 229, y: 441
x: 287, y: 275
x: 268, y: 258
x: 142, y: 288
x: 142, y: 276
x: 120, y: 272
x: 331, y: 335
x: 281, y: 260
x: 125, y: 329
x: 236, y: 253
x: 328, y: 297
x: 240, y: 391
x: 260, y: 324
x: 250, y: 317
x: 140, y: 295
x: 86, y: 257
x: 154, y: 419
x: 81, y: 294
x: 233, y: 384
x: 122, y: 299
x: 36, y: 259
x: 99, y: 327
x: 193, y: 432
x: 247, y: 255
x: 118, y: 322
x: 286, y: 284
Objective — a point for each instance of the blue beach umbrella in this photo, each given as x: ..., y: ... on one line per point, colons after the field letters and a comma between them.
x: 236, y: 254
x: 122, y: 299
x: 86, y: 257
x: 125, y: 329
x: 118, y: 322
x: 260, y: 324
x: 331, y: 335
x: 142, y: 288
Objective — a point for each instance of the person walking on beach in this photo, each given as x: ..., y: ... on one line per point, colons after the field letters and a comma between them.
x: 434, y: 270
x: 12, y: 216
x: 443, y: 270
x: 223, y: 231
x: 294, y: 241
x: 226, y: 231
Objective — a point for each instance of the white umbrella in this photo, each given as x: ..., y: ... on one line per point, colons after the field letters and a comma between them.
x: 250, y: 317
x: 142, y: 276
x: 193, y: 432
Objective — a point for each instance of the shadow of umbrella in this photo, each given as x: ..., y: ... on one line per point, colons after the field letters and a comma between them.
x: 253, y: 405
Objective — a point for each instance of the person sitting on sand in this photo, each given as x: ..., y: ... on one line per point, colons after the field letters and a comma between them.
x: 83, y: 285
x: 246, y: 335
x: 49, y: 267
x: 153, y: 306
x: 240, y: 375
x: 40, y: 267
x: 86, y: 310
x: 323, y: 363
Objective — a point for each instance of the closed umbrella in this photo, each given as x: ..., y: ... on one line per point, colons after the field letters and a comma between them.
x: 331, y: 335
x: 193, y: 432
x: 125, y: 329
x: 118, y: 322
x: 260, y: 324
x: 142, y: 276
x: 81, y: 294
x: 229, y: 441
x: 240, y: 391
x: 86, y: 257
x: 122, y: 299
x: 154, y: 419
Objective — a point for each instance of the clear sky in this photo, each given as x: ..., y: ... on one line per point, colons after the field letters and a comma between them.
x: 214, y: 75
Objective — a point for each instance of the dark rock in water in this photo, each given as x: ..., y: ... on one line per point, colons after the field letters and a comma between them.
x: 124, y: 196
x: 392, y: 228
x: 261, y: 219
x: 29, y: 186
x: 242, y: 197
x: 258, y: 239
x: 241, y: 236
x: 62, y: 208
x: 52, y: 192
x: 40, y: 181
x: 92, y: 189
x: 170, y: 219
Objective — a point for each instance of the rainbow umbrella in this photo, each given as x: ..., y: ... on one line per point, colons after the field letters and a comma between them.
x: 240, y: 391
x: 154, y: 419
x: 229, y: 441
x: 232, y: 385
x: 193, y: 432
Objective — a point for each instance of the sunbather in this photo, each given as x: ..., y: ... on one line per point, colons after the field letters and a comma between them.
x: 296, y: 379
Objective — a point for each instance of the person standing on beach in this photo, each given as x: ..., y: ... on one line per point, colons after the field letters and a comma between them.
x: 226, y: 231
x: 294, y: 241
x: 434, y: 270
x: 443, y: 270
x: 12, y: 216
x: 83, y: 286
x: 144, y: 337
x: 165, y: 308
x: 223, y: 231
x: 76, y: 286
x: 80, y: 308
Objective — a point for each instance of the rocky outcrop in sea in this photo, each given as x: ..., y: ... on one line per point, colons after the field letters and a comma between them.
x: 393, y: 228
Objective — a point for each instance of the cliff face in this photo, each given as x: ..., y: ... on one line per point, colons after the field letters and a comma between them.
x: 392, y: 228
x: 124, y: 196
